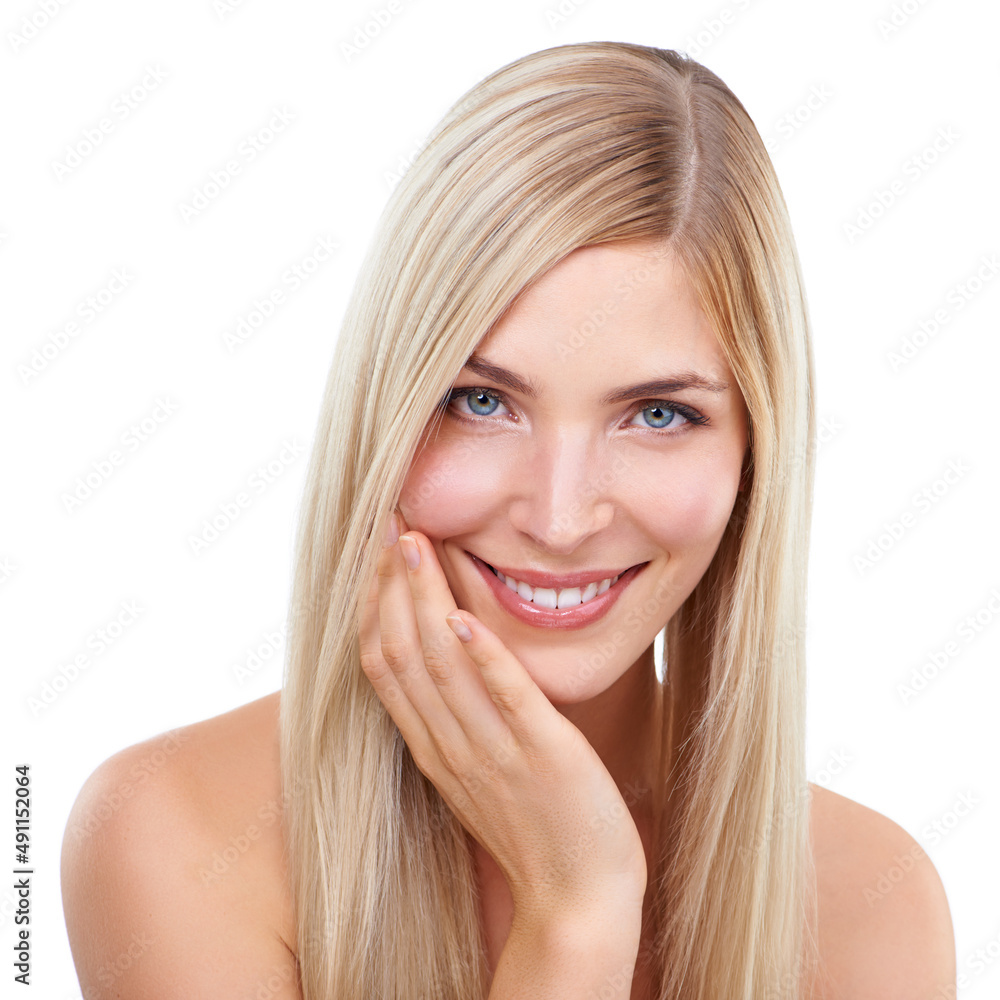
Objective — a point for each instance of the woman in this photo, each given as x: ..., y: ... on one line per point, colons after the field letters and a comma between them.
x: 573, y: 396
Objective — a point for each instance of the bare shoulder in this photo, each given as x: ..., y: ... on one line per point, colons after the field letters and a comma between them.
x: 884, y: 926
x: 173, y: 866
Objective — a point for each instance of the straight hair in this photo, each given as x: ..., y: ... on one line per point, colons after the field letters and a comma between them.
x: 570, y: 146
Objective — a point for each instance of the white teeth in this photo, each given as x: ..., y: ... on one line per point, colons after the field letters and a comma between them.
x: 546, y: 597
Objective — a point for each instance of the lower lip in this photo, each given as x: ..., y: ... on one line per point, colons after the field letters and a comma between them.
x: 532, y: 614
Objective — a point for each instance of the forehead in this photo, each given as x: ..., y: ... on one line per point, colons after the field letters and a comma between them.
x: 603, y: 313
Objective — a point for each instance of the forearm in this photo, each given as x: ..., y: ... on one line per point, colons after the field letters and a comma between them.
x: 563, y: 960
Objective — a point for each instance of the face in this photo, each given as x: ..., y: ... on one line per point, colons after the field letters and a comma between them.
x: 556, y: 465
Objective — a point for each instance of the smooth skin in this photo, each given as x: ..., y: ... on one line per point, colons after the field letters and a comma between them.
x: 149, y: 919
x: 521, y: 777
x: 180, y: 889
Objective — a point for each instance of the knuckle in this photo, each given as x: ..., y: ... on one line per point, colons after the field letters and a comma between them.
x: 508, y: 699
x: 450, y: 756
x: 394, y: 651
x: 487, y: 658
x: 373, y: 664
x: 438, y: 663
x: 496, y: 757
x: 440, y: 670
x: 484, y: 769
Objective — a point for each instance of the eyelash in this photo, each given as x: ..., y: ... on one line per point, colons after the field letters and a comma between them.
x: 690, y: 414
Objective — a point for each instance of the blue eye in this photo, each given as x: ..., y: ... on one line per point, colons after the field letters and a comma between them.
x: 667, y: 416
x: 482, y: 404
x: 478, y: 400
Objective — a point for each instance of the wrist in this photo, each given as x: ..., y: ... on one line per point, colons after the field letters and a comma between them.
x: 608, y: 919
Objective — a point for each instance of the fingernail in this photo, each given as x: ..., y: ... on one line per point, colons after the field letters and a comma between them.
x: 411, y: 552
x: 392, y: 532
x: 459, y: 627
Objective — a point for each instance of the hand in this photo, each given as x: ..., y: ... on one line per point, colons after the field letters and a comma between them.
x: 521, y: 778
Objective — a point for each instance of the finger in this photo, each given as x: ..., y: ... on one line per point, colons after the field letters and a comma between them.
x: 460, y: 685
x: 402, y: 649
x: 381, y: 676
x: 533, y: 720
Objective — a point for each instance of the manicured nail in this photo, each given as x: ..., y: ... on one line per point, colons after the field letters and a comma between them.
x: 392, y: 532
x: 459, y: 627
x: 411, y: 551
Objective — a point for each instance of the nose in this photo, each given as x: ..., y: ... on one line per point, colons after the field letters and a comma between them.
x: 564, y: 493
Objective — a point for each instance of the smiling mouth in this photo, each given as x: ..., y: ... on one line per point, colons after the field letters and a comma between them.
x: 559, y: 598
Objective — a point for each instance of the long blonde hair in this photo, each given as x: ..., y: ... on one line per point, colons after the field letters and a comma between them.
x: 573, y: 145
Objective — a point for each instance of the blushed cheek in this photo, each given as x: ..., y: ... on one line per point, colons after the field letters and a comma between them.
x: 448, y: 490
x: 690, y: 513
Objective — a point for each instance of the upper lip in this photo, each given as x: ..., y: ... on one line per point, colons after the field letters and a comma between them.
x: 555, y: 581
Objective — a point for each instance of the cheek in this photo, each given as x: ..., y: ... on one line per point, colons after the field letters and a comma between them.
x: 690, y: 508
x: 447, y: 490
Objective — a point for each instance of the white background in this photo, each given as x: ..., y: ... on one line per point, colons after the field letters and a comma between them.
x: 881, y: 95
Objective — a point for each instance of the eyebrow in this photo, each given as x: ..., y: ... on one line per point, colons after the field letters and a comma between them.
x: 652, y: 387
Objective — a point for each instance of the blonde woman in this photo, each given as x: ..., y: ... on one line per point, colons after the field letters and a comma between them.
x: 570, y: 409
